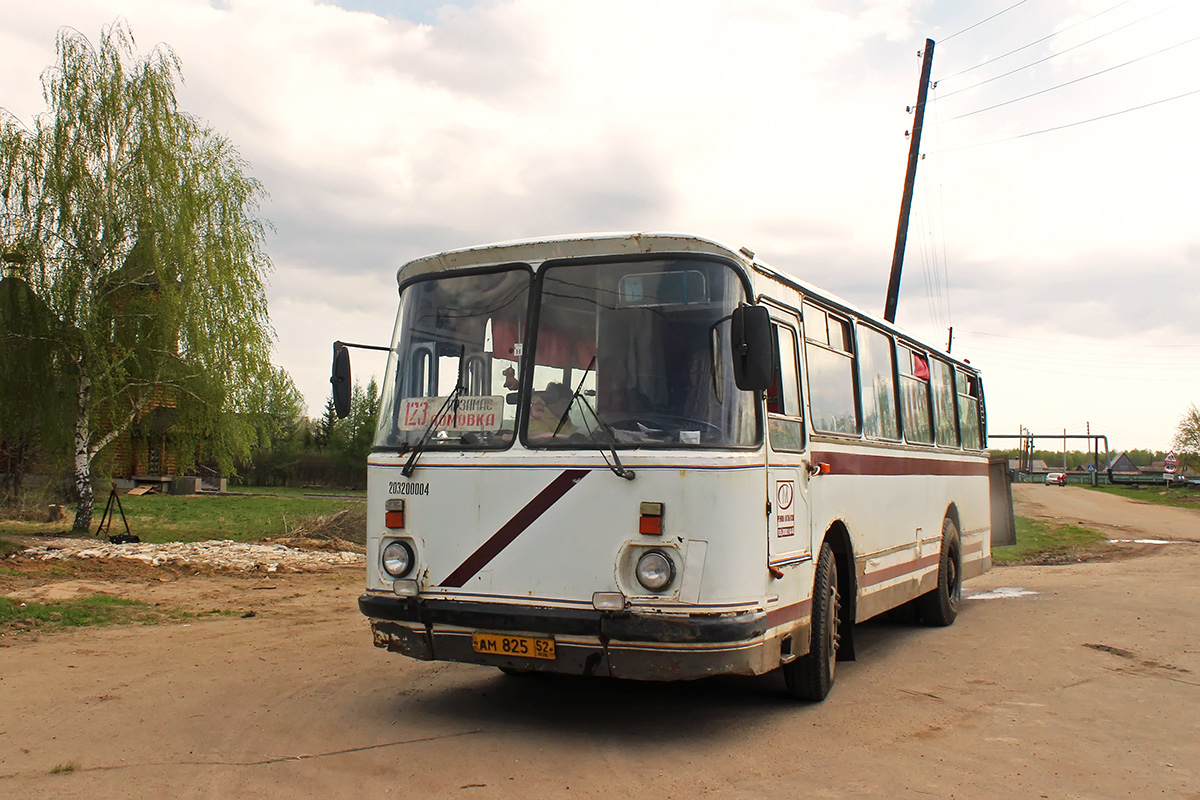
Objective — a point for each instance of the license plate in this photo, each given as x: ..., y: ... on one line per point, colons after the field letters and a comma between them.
x: 523, y: 646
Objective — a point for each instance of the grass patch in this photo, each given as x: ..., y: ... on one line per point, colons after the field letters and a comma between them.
x: 7, y: 547
x: 1178, y: 497
x: 293, y: 491
x: 95, y: 610
x: 1041, y: 541
x: 166, y: 518
x: 64, y: 769
x: 161, y: 518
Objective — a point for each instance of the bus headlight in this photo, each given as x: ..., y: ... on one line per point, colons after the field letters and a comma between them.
x: 397, y: 559
x: 655, y: 570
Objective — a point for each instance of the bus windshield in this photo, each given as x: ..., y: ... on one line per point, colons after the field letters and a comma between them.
x: 636, y: 354
x: 624, y: 354
x: 455, y: 364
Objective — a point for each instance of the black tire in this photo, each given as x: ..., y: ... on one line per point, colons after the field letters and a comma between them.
x: 810, y: 677
x: 939, y: 607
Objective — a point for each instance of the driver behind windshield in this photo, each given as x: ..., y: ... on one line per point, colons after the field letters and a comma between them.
x: 546, y: 411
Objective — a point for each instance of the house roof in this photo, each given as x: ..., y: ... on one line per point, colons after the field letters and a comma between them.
x: 1121, y: 463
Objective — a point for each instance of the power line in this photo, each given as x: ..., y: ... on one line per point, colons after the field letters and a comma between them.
x: 1071, y: 124
x: 1076, y: 80
x: 1062, y: 52
x: 984, y: 364
x: 1050, y: 347
x: 1081, y: 342
x: 989, y: 19
x: 1150, y: 359
x: 941, y: 216
x: 1031, y: 44
x: 917, y: 222
x: 1127, y: 363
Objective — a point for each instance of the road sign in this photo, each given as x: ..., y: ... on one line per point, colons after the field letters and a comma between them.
x: 1171, y: 462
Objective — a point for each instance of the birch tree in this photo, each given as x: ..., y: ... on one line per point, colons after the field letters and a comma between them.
x: 137, y: 225
x: 1187, y: 435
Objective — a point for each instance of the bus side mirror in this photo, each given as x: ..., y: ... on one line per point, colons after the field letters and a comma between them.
x: 753, y: 348
x: 341, y: 380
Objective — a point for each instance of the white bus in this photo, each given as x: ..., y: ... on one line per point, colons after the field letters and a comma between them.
x: 651, y: 456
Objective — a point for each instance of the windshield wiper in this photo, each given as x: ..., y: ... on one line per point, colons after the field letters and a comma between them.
x: 411, y: 464
x: 617, y: 468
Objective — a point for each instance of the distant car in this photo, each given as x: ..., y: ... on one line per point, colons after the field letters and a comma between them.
x: 1056, y: 479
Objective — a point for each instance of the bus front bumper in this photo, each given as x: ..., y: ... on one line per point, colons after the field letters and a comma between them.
x: 619, y: 644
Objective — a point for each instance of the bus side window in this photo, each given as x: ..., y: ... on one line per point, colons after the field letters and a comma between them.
x: 914, y: 396
x: 968, y: 409
x: 877, y: 370
x: 830, y: 361
x: 943, y: 403
x: 785, y: 419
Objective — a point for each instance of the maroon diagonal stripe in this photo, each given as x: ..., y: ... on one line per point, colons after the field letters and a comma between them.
x: 514, y: 527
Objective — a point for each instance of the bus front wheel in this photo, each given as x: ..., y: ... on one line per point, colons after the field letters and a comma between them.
x: 939, y: 607
x: 810, y: 677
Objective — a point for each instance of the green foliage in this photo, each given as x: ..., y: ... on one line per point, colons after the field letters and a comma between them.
x: 1042, y: 541
x: 34, y: 409
x: 1077, y: 458
x: 277, y: 432
x: 159, y: 518
x: 95, y: 610
x: 323, y: 430
x: 136, y: 226
x: 351, y: 438
x: 1183, y: 497
x: 1187, y: 436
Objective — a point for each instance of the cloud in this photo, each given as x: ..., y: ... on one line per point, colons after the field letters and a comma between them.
x: 385, y: 131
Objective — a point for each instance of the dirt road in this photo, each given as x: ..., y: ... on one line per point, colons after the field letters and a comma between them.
x: 1088, y: 686
x: 1109, y: 514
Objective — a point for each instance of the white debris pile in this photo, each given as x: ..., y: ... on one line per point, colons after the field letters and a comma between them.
x: 242, y: 556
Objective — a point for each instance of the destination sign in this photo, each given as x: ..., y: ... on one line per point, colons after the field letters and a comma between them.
x: 462, y: 414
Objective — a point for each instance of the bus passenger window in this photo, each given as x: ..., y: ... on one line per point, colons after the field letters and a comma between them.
x: 943, y: 404
x: 914, y: 396
x: 786, y: 423
x: 831, y: 396
x: 968, y: 409
x: 876, y: 372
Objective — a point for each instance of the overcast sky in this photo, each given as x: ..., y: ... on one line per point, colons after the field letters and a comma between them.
x: 1059, y: 234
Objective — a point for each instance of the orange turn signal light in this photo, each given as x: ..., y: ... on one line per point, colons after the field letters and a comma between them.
x: 650, y: 522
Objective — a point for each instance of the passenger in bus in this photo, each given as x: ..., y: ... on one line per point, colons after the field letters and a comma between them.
x: 546, y: 411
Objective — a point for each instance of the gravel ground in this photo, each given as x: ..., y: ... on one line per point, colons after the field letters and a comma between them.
x: 224, y: 554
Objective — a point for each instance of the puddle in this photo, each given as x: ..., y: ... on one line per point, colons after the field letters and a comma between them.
x: 1001, y: 593
x: 1147, y: 541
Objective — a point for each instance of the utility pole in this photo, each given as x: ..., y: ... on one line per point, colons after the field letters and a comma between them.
x: 1094, y: 450
x: 910, y: 177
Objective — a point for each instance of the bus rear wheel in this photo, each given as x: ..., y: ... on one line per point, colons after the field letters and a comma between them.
x: 939, y: 607
x: 810, y: 677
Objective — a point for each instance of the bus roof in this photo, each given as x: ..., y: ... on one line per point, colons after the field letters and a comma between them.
x: 570, y: 246
x: 582, y: 245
